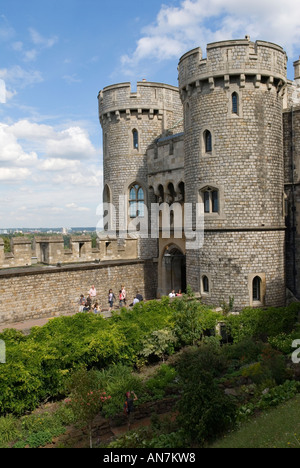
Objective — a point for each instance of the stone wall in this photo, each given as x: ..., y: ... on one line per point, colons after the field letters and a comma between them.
x: 53, y: 291
x: 231, y: 260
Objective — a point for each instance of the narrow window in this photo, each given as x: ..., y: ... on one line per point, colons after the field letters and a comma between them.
x: 205, y: 284
x: 215, y: 201
x: 256, y: 288
x: 210, y: 199
x: 235, y: 100
x: 208, y: 141
x: 207, y: 202
x: 135, y: 139
x: 136, y: 202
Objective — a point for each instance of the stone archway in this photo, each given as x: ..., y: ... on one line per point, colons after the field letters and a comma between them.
x: 173, y: 270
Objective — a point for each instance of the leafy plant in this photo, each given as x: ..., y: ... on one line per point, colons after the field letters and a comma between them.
x: 159, y: 343
x: 162, y: 379
x: 86, y: 399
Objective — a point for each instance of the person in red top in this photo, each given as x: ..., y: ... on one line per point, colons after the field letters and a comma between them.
x: 129, y: 406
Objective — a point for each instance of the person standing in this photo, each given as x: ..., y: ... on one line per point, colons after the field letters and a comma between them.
x: 111, y: 299
x: 129, y: 406
x: 82, y: 302
x: 93, y: 293
x: 123, y: 294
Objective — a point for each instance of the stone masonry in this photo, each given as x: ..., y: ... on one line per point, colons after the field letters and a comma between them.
x: 227, y: 140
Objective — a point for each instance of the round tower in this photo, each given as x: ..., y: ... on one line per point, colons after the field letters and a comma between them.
x: 131, y: 122
x: 234, y: 145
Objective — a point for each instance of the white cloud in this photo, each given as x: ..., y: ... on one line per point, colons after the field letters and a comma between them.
x: 57, y: 165
x: 13, y: 174
x: 72, y: 143
x: 198, y: 22
x: 41, y: 41
x: 11, y: 150
x: 20, y: 78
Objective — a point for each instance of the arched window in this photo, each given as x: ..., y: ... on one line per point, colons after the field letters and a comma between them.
x: 210, y: 198
x: 205, y: 285
x: 235, y: 103
x: 207, y: 141
x: 136, y: 201
x: 135, y: 136
x: 256, y: 288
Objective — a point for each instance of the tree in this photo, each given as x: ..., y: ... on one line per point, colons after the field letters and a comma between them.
x: 86, y: 400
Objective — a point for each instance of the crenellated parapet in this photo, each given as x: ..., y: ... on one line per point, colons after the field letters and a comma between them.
x: 150, y: 100
x: 51, y: 250
x: 239, y: 61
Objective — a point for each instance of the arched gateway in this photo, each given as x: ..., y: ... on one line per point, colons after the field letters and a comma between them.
x: 173, y: 270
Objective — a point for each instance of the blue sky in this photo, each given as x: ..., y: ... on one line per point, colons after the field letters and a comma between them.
x: 57, y: 55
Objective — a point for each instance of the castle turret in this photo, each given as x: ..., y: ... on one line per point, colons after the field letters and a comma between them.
x: 234, y: 166
x: 131, y: 121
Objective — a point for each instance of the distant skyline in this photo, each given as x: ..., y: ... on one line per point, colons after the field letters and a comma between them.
x: 55, y: 58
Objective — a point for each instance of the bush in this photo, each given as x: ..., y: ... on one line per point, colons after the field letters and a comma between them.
x: 159, y: 344
x: 9, y: 430
x: 163, y: 379
x: 191, y: 320
x: 262, y: 324
x: 283, y: 341
x: 245, y: 351
x: 204, y: 410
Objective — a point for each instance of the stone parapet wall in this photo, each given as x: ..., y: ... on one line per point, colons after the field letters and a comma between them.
x: 44, y: 292
x: 51, y: 251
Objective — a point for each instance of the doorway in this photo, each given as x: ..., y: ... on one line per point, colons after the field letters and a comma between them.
x: 173, y: 270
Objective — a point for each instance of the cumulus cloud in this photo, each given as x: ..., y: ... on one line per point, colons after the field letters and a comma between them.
x: 198, y: 22
x: 70, y: 143
x: 42, y: 154
x: 13, y: 174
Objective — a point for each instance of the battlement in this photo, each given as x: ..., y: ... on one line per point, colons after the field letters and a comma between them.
x: 150, y: 99
x: 51, y: 251
x: 264, y: 62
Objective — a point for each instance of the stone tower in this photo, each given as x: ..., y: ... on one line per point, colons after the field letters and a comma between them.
x: 234, y: 145
x: 131, y: 121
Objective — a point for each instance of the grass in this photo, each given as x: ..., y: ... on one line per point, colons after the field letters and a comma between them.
x: 276, y: 428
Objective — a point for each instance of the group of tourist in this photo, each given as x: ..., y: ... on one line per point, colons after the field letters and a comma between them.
x: 174, y: 294
x: 90, y: 303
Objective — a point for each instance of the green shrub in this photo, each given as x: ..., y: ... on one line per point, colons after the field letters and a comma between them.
x: 279, y: 394
x: 116, y: 381
x: 204, y: 410
x: 283, y: 341
x: 159, y: 344
x: 191, y: 320
x: 39, y: 439
x: 9, y: 430
x: 262, y: 323
x: 162, y: 380
x: 245, y: 351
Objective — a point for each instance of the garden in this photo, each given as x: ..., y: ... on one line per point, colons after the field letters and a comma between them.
x: 200, y: 374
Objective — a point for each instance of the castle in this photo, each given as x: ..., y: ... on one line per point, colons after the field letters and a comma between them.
x: 226, y: 140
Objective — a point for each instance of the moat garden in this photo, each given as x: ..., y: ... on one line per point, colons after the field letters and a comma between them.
x: 202, y: 379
